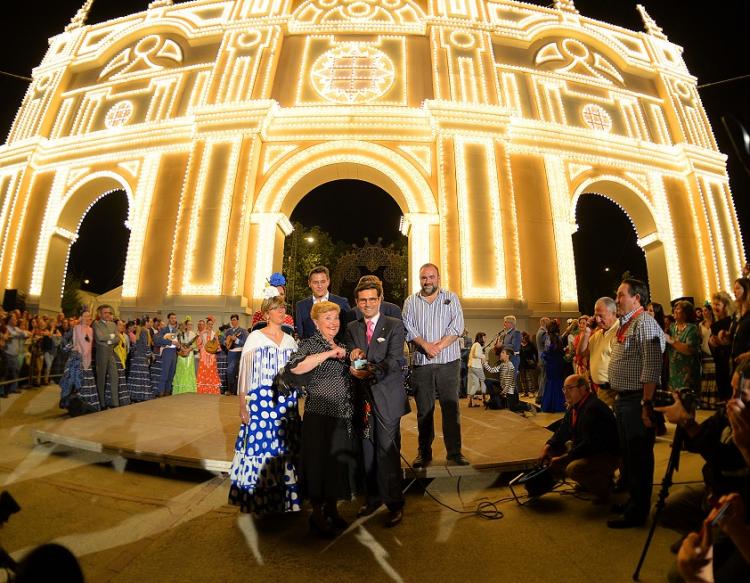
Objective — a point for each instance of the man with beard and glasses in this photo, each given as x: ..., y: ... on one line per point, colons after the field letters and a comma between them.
x: 434, y: 321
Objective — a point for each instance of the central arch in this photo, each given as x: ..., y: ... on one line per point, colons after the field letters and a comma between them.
x: 305, y: 170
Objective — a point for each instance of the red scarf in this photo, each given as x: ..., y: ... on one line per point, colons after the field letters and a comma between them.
x: 624, y: 328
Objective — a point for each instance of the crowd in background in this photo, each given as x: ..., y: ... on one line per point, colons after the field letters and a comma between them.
x: 39, y: 350
x: 705, y: 343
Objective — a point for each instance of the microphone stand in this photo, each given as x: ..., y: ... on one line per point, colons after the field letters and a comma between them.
x: 499, y: 336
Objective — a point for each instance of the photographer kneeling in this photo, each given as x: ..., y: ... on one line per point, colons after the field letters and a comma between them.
x: 585, y: 448
x: 724, y: 472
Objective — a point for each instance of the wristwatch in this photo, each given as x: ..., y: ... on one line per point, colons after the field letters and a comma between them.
x: 647, y: 403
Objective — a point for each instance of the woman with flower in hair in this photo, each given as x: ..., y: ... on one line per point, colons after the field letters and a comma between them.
x: 184, y: 376
x: 278, y: 281
x: 264, y: 468
x: 208, y: 380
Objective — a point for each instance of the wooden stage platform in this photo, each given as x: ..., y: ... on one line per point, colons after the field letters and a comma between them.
x: 199, y: 431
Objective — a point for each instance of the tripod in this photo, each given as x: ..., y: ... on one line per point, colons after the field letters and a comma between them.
x: 673, y: 465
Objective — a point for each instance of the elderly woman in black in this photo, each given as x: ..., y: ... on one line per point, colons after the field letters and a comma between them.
x: 328, y: 467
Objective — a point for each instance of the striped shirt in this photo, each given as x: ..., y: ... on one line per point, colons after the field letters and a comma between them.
x: 507, y: 376
x: 637, y: 354
x: 433, y: 321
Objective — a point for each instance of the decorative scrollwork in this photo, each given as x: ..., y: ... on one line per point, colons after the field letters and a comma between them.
x: 371, y: 258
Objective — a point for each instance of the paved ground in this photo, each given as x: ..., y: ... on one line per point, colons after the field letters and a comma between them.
x: 129, y: 521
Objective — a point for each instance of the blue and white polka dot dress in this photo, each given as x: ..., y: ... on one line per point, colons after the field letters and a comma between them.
x: 264, y: 468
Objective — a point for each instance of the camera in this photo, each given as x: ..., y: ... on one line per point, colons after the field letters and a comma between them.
x: 592, y: 323
x: 665, y: 398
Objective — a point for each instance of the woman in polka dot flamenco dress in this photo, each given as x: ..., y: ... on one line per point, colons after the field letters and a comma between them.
x: 264, y: 473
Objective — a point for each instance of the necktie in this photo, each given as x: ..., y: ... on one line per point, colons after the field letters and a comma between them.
x: 370, y: 328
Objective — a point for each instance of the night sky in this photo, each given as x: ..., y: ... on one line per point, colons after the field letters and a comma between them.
x: 715, y: 49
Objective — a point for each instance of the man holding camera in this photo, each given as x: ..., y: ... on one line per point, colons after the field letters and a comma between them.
x: 376, y: 342
x: 634, y: 371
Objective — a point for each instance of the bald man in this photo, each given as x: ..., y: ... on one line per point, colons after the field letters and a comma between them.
x: 585, y: 448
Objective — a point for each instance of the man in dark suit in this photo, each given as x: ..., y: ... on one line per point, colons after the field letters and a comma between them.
x: 386, y: 308
x: 319, y: 279
x: 105, y: 335
x: 379, y: 339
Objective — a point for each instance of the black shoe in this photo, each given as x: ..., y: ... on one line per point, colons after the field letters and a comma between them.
x: 421, y: 461
x: 619, y: 523
x: 458, y: 460
x: 368, y: 509
x: 337, y: 522
x: 618, y: 508
x: 321, y: 530
x: 394, y: 517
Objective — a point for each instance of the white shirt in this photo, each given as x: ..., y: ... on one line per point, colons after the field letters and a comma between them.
x: 476, y: 356
x: 374, y: 321
x: 321, y: 299
x: 600, y: 351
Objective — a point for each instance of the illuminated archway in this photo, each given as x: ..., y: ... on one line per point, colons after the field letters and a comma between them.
x: 344, y: 159
x: 605, y: 246
x: 64, y: 215
x: 652, y: 226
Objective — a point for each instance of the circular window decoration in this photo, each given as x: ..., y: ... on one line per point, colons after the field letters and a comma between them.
x: 352, y: 73
x: 119, y: 114
x: 595, y: 117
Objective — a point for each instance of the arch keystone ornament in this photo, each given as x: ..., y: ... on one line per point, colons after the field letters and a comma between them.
x: 484, y: 120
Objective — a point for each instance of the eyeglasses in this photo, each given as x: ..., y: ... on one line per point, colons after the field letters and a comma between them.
x: 571, y: 387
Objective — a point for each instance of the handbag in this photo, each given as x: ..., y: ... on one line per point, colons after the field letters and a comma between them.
x: 286, y: 381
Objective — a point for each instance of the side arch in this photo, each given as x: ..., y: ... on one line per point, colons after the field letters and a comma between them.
x: 652, y: 225
x: 66, y: 209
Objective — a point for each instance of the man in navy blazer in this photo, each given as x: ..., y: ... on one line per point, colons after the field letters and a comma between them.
x: 319, y: 279
x: 379, y: 339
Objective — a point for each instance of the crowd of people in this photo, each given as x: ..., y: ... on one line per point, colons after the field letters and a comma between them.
x: 100, y: 361
x: 355, y: 366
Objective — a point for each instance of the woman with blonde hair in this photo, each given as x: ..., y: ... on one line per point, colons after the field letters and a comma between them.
x: 328, y: 467
x: 264, y: 468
